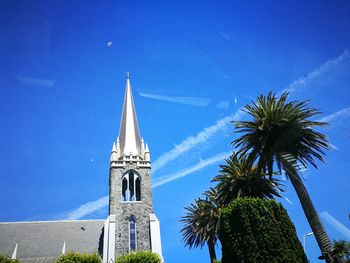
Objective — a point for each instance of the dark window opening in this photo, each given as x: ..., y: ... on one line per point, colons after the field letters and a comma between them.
x: 131, y: 187
x: 124, y: 187
x: 132, y: 230
x: 138, y: 189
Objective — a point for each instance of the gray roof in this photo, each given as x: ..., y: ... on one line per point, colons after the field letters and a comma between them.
x: 42, y: 241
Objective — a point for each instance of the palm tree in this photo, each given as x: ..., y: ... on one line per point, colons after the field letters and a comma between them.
x: 239, y: 178
x: 282, y: 134
x: 342, y: 249
x: 200, y: 222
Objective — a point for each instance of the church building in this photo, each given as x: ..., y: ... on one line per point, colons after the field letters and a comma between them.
x: 131, y: 224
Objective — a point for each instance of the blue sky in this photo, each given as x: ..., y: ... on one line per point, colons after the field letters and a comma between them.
x: 193, y: 65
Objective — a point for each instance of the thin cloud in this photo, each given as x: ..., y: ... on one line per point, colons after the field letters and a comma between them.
x: 225, y: 36
x: 193, y: 140
x: 288, y: 200
x: 88, y: 208
x: 333, y: 147
x: 223, y: 105
x: 337, y: 116
x: 198, y: 166
x: 336, y: 224
x: 193, y: 101
x: 36, y: 81
x: 326, y: 67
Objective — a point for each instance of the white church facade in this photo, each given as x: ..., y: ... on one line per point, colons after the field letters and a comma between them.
x: 131, y: 224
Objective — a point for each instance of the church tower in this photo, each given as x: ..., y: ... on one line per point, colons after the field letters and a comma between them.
x: 131, y: 224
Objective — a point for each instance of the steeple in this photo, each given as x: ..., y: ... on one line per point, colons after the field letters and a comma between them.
x: 129, y: 134
x: 131, y: 224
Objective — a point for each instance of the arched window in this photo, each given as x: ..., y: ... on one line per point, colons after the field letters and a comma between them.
x: 132, y: 233
x: 131, y: 187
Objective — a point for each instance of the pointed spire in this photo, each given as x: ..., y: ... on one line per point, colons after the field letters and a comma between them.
x: 142, y: 148
x: 147, y: 154
x: 64, y: 248
x: 114, y: 149
x: 118, y: 143
x: 129, y: 133
x: 114, y: 153
x: 14, y: 254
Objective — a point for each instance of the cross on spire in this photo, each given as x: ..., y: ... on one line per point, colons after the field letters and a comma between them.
x: 128, y: 75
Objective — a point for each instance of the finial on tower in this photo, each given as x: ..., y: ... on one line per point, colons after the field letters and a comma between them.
x: 128, y: 75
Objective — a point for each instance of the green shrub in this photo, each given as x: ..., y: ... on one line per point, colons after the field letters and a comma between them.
x: 139, y: 257
x: 256, y: 230
x: 74, y: 257
x: 6, y: 259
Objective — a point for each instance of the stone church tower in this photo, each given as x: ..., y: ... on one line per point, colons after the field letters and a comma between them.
x: 131, y: 224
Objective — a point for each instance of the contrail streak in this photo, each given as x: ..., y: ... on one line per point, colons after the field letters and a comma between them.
x: 88, y: 208
x: 193, y: 101
x: 336, y: 224
x: 192, y: 141
x: 326, y: 67
x: 202, y: 164
x: 343, y: 113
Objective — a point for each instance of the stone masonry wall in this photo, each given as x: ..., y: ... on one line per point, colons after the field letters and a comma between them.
x: 123, y: 210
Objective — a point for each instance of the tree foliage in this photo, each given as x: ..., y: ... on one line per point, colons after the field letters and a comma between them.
x: 342, y: 250
x: 283, y: 134
x: 256, y: 230
x: 280, y: 127
x: 239, y: 178
x: 200, y: 222
x: 7, y: 259
x: 142, y: 256
x: 75, y: 257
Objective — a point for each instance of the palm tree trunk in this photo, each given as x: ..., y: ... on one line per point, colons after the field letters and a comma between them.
x: 310, y: 212
x: 211, y: 247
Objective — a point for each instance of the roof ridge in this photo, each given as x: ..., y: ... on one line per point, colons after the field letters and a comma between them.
x: 52, y: 221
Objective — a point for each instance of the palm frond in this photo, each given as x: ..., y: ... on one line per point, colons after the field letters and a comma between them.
x: 280, y: 127
x: 238, y: 177
x: 200, y: 220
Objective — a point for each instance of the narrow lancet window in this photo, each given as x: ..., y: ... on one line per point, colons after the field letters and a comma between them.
x: 124, y: 188
x: 131, y: 187
x: 132, y: 233
x: 138, y: 189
